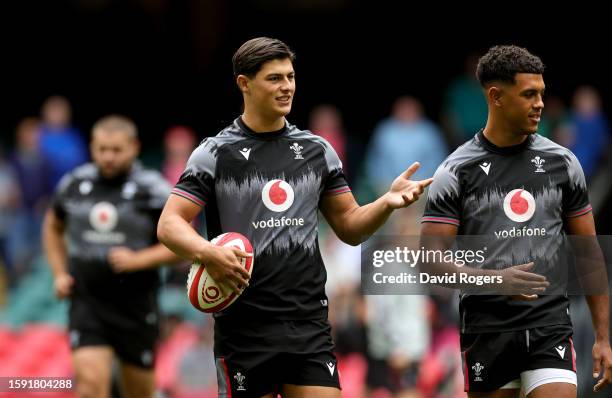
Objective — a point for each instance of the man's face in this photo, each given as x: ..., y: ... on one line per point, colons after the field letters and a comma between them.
x: 113, y: 151
x: 522, y: 102
x: 271, y: 89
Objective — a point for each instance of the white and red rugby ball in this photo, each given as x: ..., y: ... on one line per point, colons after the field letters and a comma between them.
x: 203, y: 292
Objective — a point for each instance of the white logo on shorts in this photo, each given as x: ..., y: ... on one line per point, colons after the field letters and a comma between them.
x: 240, y: 378
x: 477, y: 369
x: 331, y: 366
x: 561, y: 351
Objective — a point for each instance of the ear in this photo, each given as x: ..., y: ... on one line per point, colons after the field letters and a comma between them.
x: 243, y: 83
x: 136, y: 147
x: 494, y: 94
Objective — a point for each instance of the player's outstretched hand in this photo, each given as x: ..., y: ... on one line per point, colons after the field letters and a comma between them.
x: 62, y: 284
x: 521, y: 284
x: 404, y: 191
x: 224, y: 266
x: 602, y: 361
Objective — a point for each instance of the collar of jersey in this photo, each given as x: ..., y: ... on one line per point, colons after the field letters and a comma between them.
x: 506, y: 150
x: 268, y: 135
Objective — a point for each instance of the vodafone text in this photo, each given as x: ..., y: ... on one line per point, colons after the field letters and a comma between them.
x: 278, y: 222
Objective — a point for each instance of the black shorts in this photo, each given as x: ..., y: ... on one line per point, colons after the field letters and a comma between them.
x: 492, y: 360
x: 132, y: 336
x: 256, y: 358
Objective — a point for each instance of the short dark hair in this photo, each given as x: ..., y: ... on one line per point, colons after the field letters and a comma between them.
x: 502, y: 63
x: 112, y: 123
x: 249, y: 58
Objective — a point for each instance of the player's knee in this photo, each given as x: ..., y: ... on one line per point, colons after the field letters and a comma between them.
x: 90, y: 385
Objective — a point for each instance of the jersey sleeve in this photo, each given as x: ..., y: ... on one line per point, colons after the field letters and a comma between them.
x: 575, y: 194
x: 58, y: 199
x: 197, y: 181
x: 443, y: 198
x: 335, y: 183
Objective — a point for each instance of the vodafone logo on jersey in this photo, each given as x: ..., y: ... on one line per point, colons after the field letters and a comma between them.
x: 277, y: 195
x: 103, y: 216
x: 519, y: 205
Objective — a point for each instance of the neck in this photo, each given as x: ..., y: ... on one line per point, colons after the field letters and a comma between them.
x: 261, y: 124
x: 500, y: 134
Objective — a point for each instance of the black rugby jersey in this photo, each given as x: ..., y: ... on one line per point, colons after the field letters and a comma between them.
x: 100, y: 214
x: 267, y: 186
x: 518, y: 197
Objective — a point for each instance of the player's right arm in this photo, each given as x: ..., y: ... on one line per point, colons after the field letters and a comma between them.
x: 175, y: 231
x: 55, y: 250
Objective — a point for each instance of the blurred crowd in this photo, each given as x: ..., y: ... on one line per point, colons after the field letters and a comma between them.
x: 388, y: 346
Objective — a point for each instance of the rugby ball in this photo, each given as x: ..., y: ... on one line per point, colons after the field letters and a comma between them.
x: 202, y: 290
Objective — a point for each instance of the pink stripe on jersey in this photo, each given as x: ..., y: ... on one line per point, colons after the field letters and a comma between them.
x: 580, y: 212
x: 337, y: 191
x: 189, y: 196
x: 444, y: 220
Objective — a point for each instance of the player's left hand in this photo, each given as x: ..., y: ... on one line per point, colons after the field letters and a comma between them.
x: 123, y: 259
x: 404, y: 191
x: 602, y: 364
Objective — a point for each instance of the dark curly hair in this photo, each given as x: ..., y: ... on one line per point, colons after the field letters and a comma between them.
x: 502, y: 63
x: 249, y: 58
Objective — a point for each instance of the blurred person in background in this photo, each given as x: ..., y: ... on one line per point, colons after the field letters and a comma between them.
x: 100, y: 241
x: 407, y: 134
x: 589, y: 128
x: 197, y: 373
x: 179, y: 142
x: 464, y: 109
x: 398, y: 337
x: 60, y: 143
x: 32, y: 171
x: 10, y: 202
x: 326, y: 122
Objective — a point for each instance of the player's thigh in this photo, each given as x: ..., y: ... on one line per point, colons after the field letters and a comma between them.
x: 93, y: 367
x: 294, y: 391
x: 556, y: 390
x: 502, y: 393
x: 137, y: 382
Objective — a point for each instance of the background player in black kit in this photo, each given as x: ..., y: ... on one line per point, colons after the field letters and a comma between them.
x: 100, y: 240
x: 266, y: 179
x: 508, y: 182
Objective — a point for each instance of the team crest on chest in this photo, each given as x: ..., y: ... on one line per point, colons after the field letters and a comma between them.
x: 297, y: 149
x: 539, y: 164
